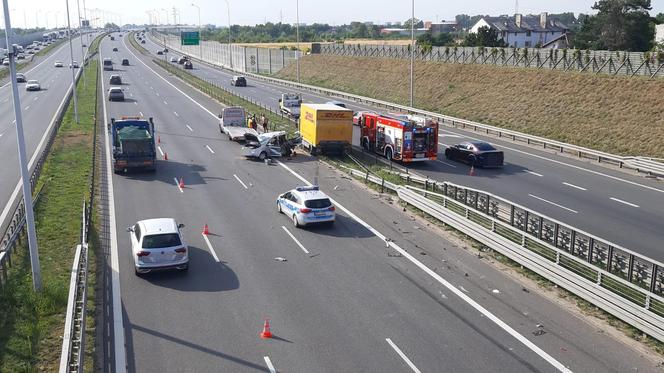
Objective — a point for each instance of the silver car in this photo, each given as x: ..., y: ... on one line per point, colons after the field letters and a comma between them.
x: 115, y: 94
x: 157, y: 245
x: 32, y: 85
x: 269, y: 145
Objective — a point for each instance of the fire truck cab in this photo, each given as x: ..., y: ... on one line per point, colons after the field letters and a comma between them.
x: 404, y: 138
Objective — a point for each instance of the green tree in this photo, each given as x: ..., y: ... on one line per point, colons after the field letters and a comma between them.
x: 618, y: 25
x: 111, y: 26
x: 418, y: 23
x: 438, y: 40
x: 659, y: 18
x: 485, y: 37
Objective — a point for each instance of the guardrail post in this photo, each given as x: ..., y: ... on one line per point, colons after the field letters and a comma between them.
x: 382, y: 185
x: 653, y: 278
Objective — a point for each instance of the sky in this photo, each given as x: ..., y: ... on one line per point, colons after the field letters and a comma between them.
x: 250, y: 12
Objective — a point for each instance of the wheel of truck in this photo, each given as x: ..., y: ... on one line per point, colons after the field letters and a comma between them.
x: 262, y: 156
x: 388, y: 154
x: 365, y: 144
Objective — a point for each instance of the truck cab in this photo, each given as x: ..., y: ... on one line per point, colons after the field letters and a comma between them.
x: 133, y: 144
x: 289, y: 104
x: 403, y: 138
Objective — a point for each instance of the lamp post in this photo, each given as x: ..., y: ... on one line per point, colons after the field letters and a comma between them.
x: 22, y: 158
x: 73, y: 72
x: 200, y: 42
x: 412, y: 50
x: 230, y: 50
x: 297, y: 38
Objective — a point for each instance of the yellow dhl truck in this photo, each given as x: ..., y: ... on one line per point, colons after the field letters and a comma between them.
x: 326, y: 128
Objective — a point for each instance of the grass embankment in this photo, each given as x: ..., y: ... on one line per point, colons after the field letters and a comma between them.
x: 619, y: 115
x: 277, y: 122
x: 31, y: 324
x: 135, y: 44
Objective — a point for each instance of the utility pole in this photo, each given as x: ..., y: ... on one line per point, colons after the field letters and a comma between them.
x: 80, y: 32
x: 230, y: 49
x: 22, y: 158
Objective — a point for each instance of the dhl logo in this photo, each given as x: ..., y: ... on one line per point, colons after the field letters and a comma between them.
x: 332, y: 115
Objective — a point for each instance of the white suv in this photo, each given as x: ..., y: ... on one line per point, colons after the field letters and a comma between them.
x: 156, y: 245
x: 306, y: 205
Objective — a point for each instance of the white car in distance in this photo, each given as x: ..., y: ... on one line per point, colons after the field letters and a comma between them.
x: 157, y: 245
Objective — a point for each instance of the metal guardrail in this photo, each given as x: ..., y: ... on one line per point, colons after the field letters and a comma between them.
x: 653, y: 167
x: 14, y: 224
x: 619, y: 281
x: 73, y: 341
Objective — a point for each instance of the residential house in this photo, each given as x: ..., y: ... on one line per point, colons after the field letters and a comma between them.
x: 524, y: 31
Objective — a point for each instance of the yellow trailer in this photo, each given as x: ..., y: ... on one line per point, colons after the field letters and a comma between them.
x: 326, y: 128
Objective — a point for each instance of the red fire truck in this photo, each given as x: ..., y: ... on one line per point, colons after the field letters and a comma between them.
x: 404, y: 138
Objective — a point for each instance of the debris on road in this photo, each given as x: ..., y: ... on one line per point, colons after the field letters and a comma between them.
x: 280, y: 259
x: 495, y: 291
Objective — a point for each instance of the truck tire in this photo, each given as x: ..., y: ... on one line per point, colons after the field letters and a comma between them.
x: 388, y: 154
x: 365, y: 144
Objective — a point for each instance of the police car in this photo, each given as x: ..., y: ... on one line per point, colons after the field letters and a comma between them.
x: 306, y: 205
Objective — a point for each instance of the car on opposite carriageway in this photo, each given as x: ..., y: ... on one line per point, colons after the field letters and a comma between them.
x: 32, y: 85
x: 476, y: 154
x: 20, y: 78
x: 306, y: 205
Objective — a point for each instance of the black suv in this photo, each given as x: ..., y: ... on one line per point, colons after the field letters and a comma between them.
x: 239, y: 81
x: 125, y: 62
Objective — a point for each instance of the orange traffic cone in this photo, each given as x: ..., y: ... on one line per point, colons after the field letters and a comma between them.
x: 266, y: 330
x: 165, y: 156
x: 206, y: 230
x: 472, y: 171
x: 181, y: 184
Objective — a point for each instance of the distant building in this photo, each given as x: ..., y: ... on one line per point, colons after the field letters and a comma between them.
x: 659, y: 33
x: 441, y: 27
x: 524, y: 31
x: 561, y: 42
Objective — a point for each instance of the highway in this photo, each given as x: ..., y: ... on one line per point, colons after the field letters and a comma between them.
x: 337, y: 299
x: 623, y: 208
x: 38, y: 108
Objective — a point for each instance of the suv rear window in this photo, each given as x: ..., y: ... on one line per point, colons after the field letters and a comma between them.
x: 318, y: 203
x: 156, y: 241
x: 108, y: 62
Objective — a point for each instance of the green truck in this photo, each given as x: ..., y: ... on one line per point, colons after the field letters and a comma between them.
x: 133, y: 144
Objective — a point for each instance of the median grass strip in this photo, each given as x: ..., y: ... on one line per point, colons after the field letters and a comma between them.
x: 619, y: 115
x: 31, y: 324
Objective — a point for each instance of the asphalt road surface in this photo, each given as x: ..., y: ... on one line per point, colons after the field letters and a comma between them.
x: 623, y: 208
x: 338, y: 300
x: 38, y: 108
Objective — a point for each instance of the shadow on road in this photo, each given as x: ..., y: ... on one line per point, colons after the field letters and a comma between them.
x: 168, y: 171
x: 342, y: 227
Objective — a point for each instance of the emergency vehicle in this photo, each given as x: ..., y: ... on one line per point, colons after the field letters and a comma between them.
x: 404, y: 138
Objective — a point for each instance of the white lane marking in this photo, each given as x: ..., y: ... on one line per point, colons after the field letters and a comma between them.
x: 269, y: 364
x: 624, y: 202
x: 177, y: 183
x: 131, y: 95
x: 157, y: 93
x: 574, y: 186
x: 189, y: 128
x: 36, y: 98
x: 160, y: 151
x: 135, y: 103
x: 445, y: 163
x: 534, y: 173
x: 118, y: 321
x: 209, y: 148
x: 443, y: 145
x: 500, y: 323
x: 553, y: 203
x: 582, y: 169
x: 165, y: 103
x: 214, y: 253
x: 451, y: 135
x: 403, y: 356
x: 176, y: 113
x: 240, y: 181
x: 169, y: 83
x: 140, y: 112
x: 27, y: 107
x: 295, y: 239
x: 151, y: 88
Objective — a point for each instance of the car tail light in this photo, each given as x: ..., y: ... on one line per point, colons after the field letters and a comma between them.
x: 142, y: 253
x: 181, y: 250
x: 331, y: 208
x: 305, y: 211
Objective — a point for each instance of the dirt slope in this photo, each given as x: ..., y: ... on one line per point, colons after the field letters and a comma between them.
x: 614, y: 114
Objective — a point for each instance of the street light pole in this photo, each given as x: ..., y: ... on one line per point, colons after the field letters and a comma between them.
x: 297, y: 38
x: 412, y: 50
x: 73, y: 72
x: 230, y: 49
x: 22, y: 158
x: 80, y: 32
x: 200, y: 42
